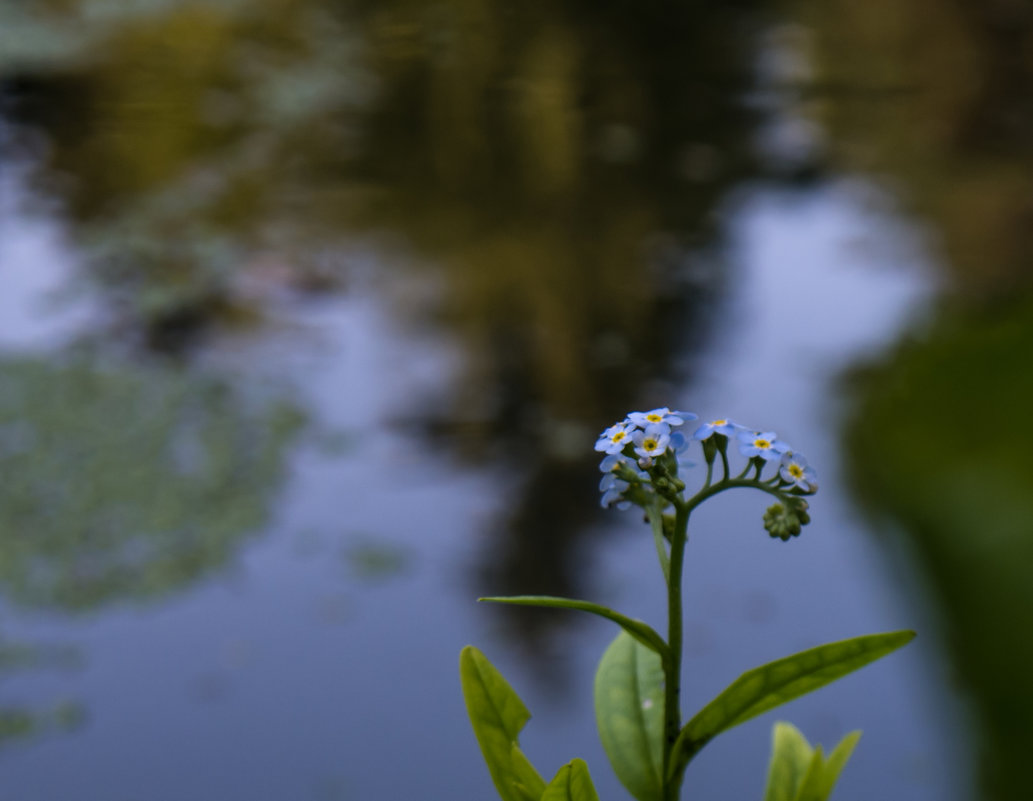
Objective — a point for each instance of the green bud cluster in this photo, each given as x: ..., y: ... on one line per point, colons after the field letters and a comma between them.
x: 785, y: 520
x: 664, y: 475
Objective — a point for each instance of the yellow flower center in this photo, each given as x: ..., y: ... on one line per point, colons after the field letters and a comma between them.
x: 763, y: 444
x: 795, y: 471
x: 654, y: 418
x: 718, y: 422
x: 619, y: 436
x: 649, y: 444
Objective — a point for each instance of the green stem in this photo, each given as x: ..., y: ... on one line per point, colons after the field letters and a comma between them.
x: 674, y: 564
x: 656, y: 522
x: 672, y: 673
x: 731, y: 483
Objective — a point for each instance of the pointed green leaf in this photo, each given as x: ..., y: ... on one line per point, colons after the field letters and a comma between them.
x: 765, y: 687
x: 629, y: 709
x: 497, y: 715
x: 571, y: 783
x: 638, y: 629
x: 800, y: 773
x: 810, y: 787
x: 790, y: 757
x: 835, y: 763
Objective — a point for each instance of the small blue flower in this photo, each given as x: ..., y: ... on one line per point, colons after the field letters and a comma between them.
x: 615, y: 438
x: 764, y: 444
x: 795, y: 470
x: 614, y: 498
x: 615, y: 460
x: 680, y: 445
x: 613, y: 486
x: 722, y: 426
x: 610, y: 481
x: 657, y: 417
x: 613, y: 492
x: 652, y: 442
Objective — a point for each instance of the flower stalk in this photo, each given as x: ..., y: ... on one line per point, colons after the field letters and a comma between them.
x: 642, y: 454
x: 638, y: 682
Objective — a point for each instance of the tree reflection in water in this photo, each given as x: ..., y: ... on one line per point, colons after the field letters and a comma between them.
x: 558, y: 168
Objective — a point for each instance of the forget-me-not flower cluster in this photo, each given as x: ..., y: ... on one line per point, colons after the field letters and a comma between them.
x: 645, y: 452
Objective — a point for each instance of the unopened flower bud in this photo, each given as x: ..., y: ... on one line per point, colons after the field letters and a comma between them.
x: 710, y: 448
x: 625, y: 472
x: 799, y: 507
x: 782, y: 522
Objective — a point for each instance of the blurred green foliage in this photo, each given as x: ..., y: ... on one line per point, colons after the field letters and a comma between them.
x: 935, y: 99
x: 940, y: 444
x: 127, y: 483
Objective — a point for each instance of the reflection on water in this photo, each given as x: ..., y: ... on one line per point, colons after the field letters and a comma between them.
x: 551, y: 143
x: 126, y: 483
x: 939, y: 100
x: 119, y: 484
x: 18, y: 720
x: 542, y: 190
x: 554, y: 166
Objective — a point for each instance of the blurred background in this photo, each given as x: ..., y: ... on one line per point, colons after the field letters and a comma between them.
x: 311, y: 312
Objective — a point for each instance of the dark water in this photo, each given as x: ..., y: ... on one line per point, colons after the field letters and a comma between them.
x: 311, y: 312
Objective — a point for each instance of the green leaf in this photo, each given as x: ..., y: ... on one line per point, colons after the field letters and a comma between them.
x: 641, y: 631
x: 810, y: 787
x: 790, y: 757
x: 765, y: 687
x: 571, y: 783
x: 497, y: 715
x: 835, y: 763
x: 629, y: 710
x: 801, y: 773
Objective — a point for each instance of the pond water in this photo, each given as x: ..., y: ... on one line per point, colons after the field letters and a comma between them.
x: 325, y: 646
x: 308, y: 329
